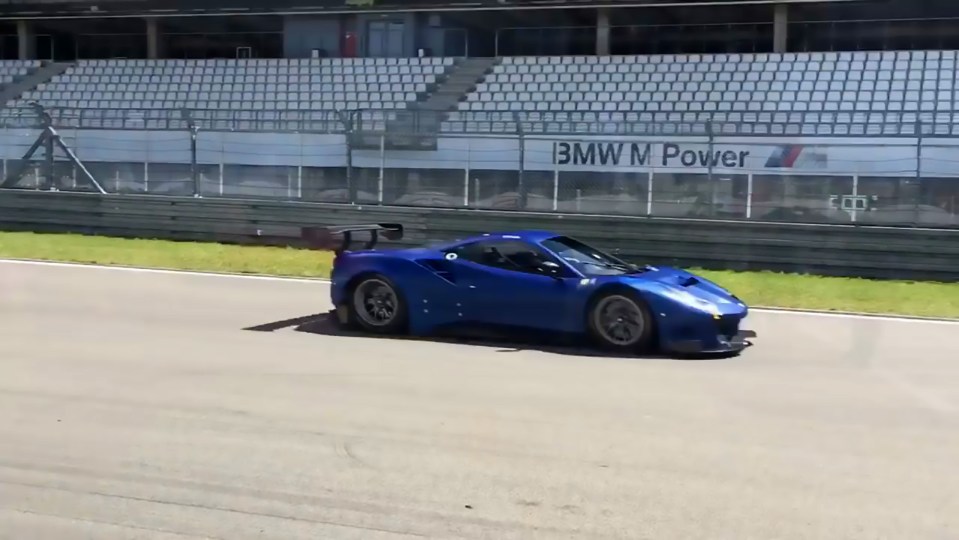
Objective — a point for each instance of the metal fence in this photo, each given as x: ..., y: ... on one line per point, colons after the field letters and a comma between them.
x: 418, y: 159
x: 756, y: 122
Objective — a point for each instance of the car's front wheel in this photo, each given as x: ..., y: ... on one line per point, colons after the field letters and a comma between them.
x: 620, y: 320
x: 377, y: 306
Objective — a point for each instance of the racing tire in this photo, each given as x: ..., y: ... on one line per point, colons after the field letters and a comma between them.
x: 619, y: 320
x: 376, y: 305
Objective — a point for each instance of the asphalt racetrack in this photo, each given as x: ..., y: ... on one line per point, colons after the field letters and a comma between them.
x: 140, y: 405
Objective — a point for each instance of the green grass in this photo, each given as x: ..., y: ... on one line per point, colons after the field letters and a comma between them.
x: 756, y: 288
x: 924, y: 299
x: 201, y: 256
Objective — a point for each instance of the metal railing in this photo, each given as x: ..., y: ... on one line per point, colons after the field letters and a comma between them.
x: 757, y: 123
x: 359, y: 157
x: 875, y: 252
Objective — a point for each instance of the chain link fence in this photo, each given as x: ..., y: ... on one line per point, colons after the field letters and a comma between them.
x: 664, y: 166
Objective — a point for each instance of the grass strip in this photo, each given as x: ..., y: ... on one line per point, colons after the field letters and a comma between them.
x: 771, y: 289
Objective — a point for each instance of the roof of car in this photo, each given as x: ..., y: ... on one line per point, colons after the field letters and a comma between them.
x: 528, y: 235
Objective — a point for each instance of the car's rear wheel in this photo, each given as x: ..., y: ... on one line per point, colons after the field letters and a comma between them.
x: 377, y: 306
x: 620, y: 321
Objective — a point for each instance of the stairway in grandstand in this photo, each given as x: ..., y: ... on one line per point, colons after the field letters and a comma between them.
x: 418, y: 127
x: 458, y: 84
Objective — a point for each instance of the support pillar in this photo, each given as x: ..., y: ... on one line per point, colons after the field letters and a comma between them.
x: 781, y: 28
x: 153, y: 38
x: 602, y: 32
x: 26, y: 40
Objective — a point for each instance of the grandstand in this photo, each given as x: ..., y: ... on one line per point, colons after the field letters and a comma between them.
x: 822, y: 93
x: 324, y: 84
x: 203, y: 86
x: 884, y: 93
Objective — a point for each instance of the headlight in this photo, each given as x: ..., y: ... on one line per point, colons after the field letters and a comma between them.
x: 688, y: 299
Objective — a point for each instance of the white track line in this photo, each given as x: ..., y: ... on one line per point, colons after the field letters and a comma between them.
x: 140, y: 270
x: 772, y: 310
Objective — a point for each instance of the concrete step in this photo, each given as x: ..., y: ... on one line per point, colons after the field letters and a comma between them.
x: 456, y: 85
x: 418, y: 128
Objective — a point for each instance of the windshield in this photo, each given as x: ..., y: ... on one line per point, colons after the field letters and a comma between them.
x: 588, y: 260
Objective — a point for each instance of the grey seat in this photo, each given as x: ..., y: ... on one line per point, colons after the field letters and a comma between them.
x: 257, y: 84
x: 835, y: 83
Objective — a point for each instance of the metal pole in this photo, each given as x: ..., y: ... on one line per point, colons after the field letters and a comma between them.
x: 522, y: 187
x: 555, y: 189
x: 299, y: 181
x: 466, y: 173
x: 382, y: 166
x: 855, y: 198
x: 709, y: 165
x: 348, y: 120
x: 50, y: 180
x: 194, y: 170
x: 649, y: 193
x: 916, y: 215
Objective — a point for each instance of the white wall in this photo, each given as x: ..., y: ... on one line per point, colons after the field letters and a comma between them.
x: 819, y: 156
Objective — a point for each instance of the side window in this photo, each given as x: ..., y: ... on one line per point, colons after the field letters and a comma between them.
x: 512, y: 255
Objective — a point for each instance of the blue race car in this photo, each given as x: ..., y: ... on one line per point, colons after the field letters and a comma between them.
x: 538, y: 281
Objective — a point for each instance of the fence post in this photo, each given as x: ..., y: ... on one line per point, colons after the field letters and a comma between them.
x: 709, y: 167
x: 466, y: 172
x: 348, y: 118
x: 194, y: 170
x: 522, y: 187
x: 49, y: 173
x: 917, y: 218
x: 380, y: 187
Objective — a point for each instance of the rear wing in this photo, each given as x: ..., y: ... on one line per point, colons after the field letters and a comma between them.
x: 339, y: 238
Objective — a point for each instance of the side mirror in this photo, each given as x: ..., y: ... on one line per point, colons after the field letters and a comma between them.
x: 550, y: 268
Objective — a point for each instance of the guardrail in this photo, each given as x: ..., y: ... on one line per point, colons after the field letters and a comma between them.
x: 874, y: 252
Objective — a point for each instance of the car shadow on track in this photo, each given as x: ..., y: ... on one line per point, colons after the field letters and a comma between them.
x: 504, y: 342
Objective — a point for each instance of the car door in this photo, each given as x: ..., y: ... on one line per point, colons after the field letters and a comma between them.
x: 501, y: 286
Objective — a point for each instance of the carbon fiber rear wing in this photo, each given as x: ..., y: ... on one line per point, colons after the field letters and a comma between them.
x: 340, y: 238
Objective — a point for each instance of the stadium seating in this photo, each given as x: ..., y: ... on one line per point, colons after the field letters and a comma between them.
x: 820, y: 93
x: 213, y: 87
x: 828, y: 93
x: 11, y: 69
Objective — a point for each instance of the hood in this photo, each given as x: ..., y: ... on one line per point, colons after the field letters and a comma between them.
x: 681, y: 285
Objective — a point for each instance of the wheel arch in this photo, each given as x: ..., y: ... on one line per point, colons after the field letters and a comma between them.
x: 350, y: 288
x: 381, y: 267
x: 356, y: 278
